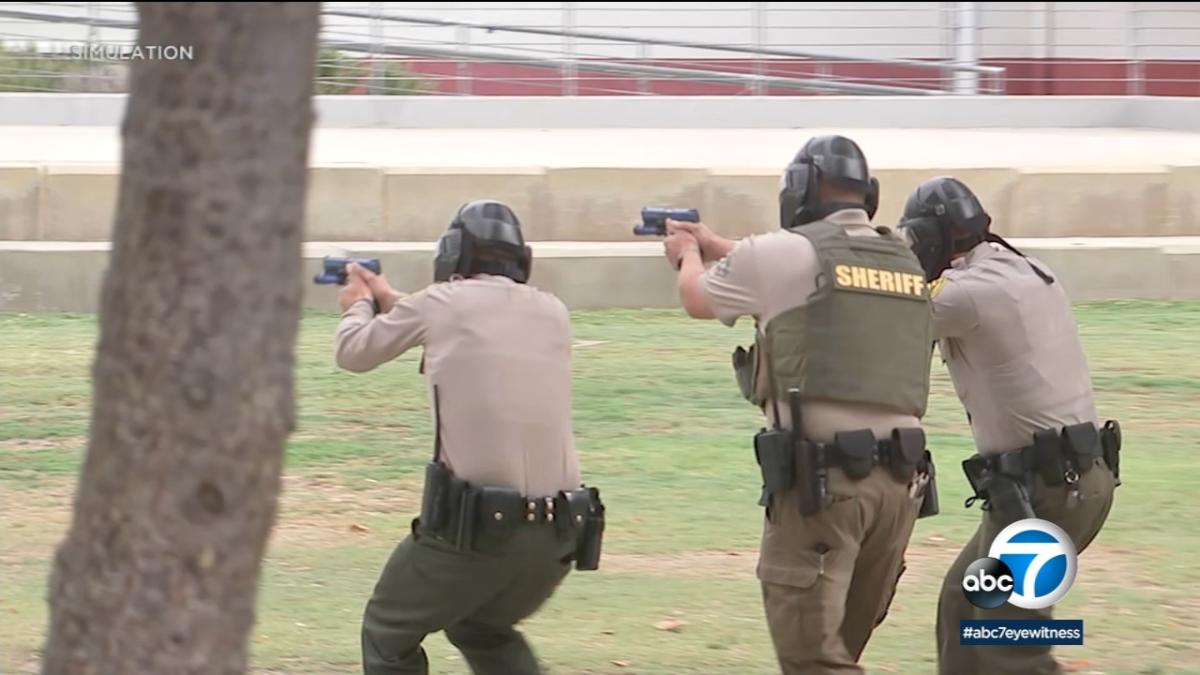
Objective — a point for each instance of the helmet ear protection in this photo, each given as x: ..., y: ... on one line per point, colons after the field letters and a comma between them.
x: 832, y: 158
x: 797, y: 187
x: 930, y: 242
x: 872, y: 197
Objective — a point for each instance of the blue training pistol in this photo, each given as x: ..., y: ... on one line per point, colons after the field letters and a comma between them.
x: 654, y: 220
x: 334, y: 269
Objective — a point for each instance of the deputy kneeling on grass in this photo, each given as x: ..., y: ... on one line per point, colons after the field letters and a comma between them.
x: 504, y: 514
x: 840, y: 367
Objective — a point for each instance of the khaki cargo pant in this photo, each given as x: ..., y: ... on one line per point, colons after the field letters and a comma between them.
x: 822, y: 607
x: 477, y: 598
x: 1082, y: 523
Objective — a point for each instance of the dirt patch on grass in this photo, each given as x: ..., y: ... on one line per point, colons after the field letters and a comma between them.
x: 51, y: 443
x: 34, y: 521
x: 926, y: 558
x: 686, y: 564
x: 314, y: 511
x: 318, y: 510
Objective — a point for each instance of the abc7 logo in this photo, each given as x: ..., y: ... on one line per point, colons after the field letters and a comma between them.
x: 1030, y: 565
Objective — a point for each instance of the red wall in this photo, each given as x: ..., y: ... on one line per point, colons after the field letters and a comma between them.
x: 1023, y: 77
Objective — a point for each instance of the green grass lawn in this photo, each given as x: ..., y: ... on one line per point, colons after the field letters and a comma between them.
x: 665, y: 435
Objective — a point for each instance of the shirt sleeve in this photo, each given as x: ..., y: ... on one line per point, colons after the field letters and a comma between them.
x: 731, y: 287
x: 365, y: 341
x: 954, y: 313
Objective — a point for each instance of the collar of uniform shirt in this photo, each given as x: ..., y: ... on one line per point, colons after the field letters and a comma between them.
x: 849, y: 217
x: 981, y: 251
x: 499, y: 278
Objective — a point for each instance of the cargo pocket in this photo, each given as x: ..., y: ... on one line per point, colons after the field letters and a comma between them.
x: 800, y: 598
x: 803, y: 569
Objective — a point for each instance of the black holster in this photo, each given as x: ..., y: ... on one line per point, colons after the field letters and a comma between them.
x: 586, y: 518
x: 449, y: 507
x: 1005, y: 491
x: 435, y: 512
x: 743, y: 371
x: 775, y: 452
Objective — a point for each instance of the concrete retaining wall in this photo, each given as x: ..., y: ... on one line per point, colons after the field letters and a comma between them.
x: 57, y: 276
x: 78, y: 203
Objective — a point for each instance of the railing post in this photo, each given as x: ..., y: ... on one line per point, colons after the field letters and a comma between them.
x: 462, y: 69
x: 569, y: 70
x: 94, y: 72
x: 376, y: 28
x: 758, y: 22
x: 966, y: 48
x: 643, y: 84
x: 1135, y: 75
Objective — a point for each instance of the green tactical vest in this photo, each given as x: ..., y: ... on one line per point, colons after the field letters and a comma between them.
x: 865, y: 336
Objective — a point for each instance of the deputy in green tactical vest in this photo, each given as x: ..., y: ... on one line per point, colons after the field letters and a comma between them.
x: 840, y: 368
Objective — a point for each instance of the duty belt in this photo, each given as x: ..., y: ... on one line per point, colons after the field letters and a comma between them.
x: 1060, y: 457
x: 461, y: 513
x: 858, y: 452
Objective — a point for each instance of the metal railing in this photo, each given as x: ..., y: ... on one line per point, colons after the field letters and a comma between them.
x: 354, y: 60
x: 757, y: 81
x: 648, y: 48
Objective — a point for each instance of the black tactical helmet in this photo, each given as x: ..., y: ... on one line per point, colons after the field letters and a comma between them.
x: 943, y: 217
x: 484, y: 238
x: 834, y: 159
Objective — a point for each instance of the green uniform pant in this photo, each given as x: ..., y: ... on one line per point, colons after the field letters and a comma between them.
x: 1082, y: 523
x: 477, y: 598
x: 828, y: 579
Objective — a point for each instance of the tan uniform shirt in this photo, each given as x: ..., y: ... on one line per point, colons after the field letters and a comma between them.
x: 500, y: 355
x: 1012, y: 347
x: 768, y: 274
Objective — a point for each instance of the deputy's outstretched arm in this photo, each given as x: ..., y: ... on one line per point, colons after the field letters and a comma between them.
x: 365, y: 341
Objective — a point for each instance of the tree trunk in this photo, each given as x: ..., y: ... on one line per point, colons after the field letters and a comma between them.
x: 192, y: 382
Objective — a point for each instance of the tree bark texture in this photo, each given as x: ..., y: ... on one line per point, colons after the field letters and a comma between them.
x: 192, y: 383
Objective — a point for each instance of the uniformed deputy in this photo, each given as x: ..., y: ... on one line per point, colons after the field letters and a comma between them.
x: 503, y: 513
x: 1008, y: 337
x: 844, y: 338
